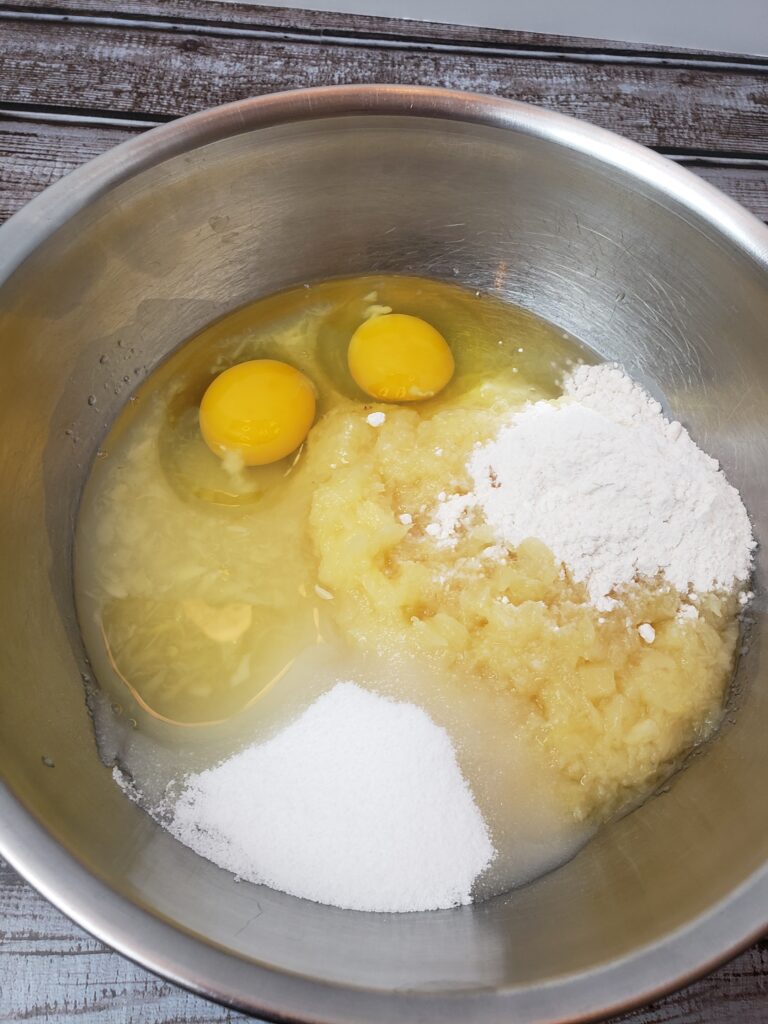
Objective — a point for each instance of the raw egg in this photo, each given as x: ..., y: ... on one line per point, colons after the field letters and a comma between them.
x: 399, y: 358
x: 259, y: 411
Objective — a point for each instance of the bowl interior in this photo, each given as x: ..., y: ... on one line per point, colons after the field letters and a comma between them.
x: 615, y: 260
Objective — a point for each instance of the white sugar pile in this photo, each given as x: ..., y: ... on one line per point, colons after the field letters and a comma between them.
x: 614, y: 489
x: 359, y: 803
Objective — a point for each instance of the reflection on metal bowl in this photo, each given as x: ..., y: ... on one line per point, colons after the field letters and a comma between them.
x: 145, y: 245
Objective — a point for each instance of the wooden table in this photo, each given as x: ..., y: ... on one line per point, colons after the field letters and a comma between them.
x: 79, y: 76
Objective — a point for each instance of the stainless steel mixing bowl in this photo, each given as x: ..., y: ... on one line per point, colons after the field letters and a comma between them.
x: 139, y: 249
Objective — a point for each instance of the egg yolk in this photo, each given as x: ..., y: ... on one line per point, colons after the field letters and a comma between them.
x: 399, y: 358
x: 260, y: 410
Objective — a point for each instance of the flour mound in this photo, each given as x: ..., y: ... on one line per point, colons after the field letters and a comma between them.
x: 614, y: 489
x: 358, y: 803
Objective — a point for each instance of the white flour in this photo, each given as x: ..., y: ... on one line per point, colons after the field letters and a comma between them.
x: 614, y: 489
x: 359, y: 803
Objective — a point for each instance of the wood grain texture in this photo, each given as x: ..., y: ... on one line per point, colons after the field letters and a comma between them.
x: 34, y: 155
x: 79, y: 76
x: 137, y: 69
x: 233, y: 15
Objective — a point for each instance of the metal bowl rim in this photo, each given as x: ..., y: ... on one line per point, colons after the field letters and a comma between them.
x: 206, y: 969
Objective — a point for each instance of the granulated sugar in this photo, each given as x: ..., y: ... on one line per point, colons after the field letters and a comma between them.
x: 614, y: 489
x: 359, y: 803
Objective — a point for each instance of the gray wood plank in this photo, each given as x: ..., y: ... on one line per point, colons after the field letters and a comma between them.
x: 34, y: 155
x: 233, y: 15
x: 145, y: 70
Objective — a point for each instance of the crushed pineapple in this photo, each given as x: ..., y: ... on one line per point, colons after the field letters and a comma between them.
x: 611, y: 712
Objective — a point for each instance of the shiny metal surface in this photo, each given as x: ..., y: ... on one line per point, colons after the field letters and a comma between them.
x: 142, y: 247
